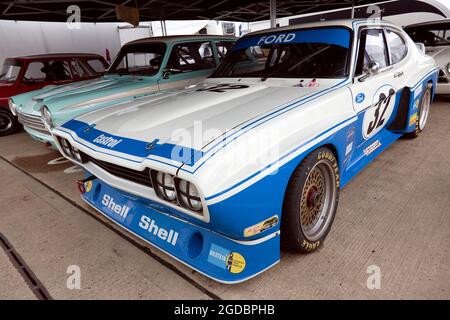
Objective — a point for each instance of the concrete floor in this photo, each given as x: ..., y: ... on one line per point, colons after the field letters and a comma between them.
x: 394, y: 215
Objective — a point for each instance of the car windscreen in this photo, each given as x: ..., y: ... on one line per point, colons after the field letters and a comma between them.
x: 307, y: 53
x: 142, y: 59
x: 433, y: 35
x: 10, y: 71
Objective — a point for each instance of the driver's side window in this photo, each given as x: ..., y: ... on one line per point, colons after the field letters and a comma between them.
x: 372, y: 49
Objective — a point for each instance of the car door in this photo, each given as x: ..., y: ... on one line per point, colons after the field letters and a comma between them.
x: 374, y: 91
x: 188, y: 64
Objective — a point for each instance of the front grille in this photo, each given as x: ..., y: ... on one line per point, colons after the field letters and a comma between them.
x: 33, y: 122
x: 442, y: 77
x: 140, y: 177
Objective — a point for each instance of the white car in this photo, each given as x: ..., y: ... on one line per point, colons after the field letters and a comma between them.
x: 435, y: 35
x: 216, y: 175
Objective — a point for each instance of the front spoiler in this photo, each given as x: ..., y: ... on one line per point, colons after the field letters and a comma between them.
x: 41, y: 137
x: 213, y: 255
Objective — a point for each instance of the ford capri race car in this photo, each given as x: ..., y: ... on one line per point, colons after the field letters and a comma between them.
x: 221, y: 174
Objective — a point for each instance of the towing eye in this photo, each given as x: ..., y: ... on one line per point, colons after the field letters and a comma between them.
x: 81, y: 184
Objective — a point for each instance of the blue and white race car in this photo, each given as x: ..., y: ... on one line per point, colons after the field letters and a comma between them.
x: 221, y: 174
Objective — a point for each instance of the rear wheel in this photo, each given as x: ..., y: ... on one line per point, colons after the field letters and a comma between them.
x: 311, y: 202
x: 8, y: 123
x: 422, y: 114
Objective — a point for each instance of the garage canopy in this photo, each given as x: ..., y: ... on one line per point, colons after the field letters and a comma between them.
x: 104, y: 11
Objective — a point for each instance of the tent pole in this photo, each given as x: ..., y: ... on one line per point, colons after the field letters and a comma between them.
x: 273, y: 13
x: 353, y: 9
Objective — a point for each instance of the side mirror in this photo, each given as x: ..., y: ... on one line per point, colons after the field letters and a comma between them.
x: 421, y: 47
x: 371, y: 69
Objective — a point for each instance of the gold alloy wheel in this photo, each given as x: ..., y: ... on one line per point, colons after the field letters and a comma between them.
x: 317, y: 200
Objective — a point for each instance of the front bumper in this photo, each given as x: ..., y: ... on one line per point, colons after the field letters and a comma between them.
x: 213, y: 255
x: 40, y: 136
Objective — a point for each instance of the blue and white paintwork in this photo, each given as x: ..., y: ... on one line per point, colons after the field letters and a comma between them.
x: 233, y: 115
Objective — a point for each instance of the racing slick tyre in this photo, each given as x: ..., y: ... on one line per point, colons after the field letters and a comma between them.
x: 8, y: 123
x: 310, y: 202
x: 422, y: 117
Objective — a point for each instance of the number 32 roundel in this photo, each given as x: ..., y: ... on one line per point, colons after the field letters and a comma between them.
x: 377, y: 116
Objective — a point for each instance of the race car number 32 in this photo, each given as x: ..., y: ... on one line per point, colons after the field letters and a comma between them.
x: 377, y: 116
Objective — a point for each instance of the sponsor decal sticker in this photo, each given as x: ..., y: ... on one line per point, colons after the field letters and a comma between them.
x: 117, y: 209
x: 370, y: 149
x: 150, y: 225
x: 416, y: 104
x: 301, y: 84
x: 232, y: 261
x: 277, y: 38
x: 351, y: 133
x: 106, y: 141
x: 88, y: 186
x: 261, y: 227
x: 413, y: 119
x: 313, y: 84
x: 360, y: 98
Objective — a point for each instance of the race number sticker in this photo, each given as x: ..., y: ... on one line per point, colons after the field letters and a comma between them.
x: 377, y: 116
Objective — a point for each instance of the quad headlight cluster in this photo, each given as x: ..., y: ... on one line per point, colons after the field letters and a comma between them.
x: 167, y: 187
x: 178, y: 191
x: 70, y: 150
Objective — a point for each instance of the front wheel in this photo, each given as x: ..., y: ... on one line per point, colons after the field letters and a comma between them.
x: 311, y: 202
x: 8, y: 123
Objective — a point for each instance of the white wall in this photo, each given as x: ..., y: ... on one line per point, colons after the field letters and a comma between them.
x: 19, y: 38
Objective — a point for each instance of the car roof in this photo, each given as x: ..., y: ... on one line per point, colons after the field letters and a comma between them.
x: 168, y: 39
x: 57, y: 56
x: 442, y: 22
x: 349, y: 23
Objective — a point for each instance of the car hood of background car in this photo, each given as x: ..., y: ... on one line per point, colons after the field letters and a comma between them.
x: 85, y: 93
x: 196, y: 116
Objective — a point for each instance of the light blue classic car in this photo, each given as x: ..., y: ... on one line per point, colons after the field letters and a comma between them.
x: 142, y: 67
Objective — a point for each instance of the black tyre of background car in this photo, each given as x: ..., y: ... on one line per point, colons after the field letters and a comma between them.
x: 426, y: 96
x: 8, y: 123
x: 304, y: 195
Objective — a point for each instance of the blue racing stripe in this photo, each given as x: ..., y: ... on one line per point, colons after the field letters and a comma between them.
x: 132, y: 147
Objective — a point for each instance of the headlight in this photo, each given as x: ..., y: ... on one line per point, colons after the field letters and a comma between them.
x: 189, y: 196
x: 178, y: 191
x: 12, y: 106
x: 66, y: 147
x: 70, y: 151
x: 76, y: 154
x: 164, y: 186
x: 47, y: 118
